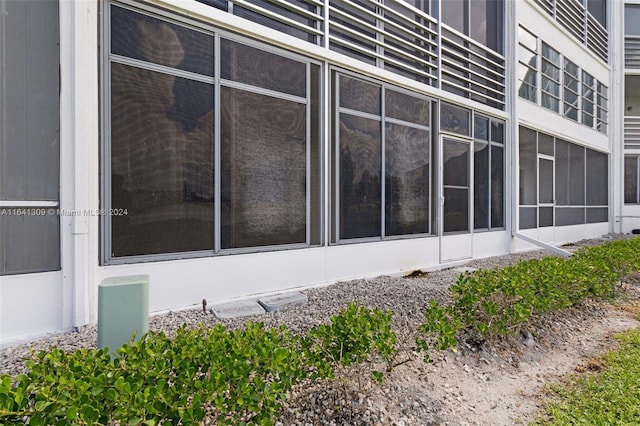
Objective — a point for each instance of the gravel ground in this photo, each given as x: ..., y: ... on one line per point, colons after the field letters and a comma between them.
x: 342, y: 403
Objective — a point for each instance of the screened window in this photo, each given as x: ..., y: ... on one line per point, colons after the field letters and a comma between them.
x: 573, y: 182
x: 383, y: 168
x: 527, y: 65
x: 550, y: 80
x: 29, y: 137
x: 488, y: 180
x: 631, y: 176
x: 202, y: 165
x: 571, y: 90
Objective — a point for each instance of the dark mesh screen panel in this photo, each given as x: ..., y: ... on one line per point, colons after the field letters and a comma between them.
x: 360, y: 182
x: 264, y: 166
x: 407, y: 180
x: 162, y: 130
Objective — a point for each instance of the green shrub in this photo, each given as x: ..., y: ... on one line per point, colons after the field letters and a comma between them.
x: 356, y: 335
x: 224, y: 376
x: 496, y: 302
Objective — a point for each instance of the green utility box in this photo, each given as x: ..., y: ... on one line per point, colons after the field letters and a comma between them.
x: 123, y: 308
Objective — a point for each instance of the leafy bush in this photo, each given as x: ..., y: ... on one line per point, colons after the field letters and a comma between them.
x: 215, y: 375
x: 356, y: 335
x: 497, y: 301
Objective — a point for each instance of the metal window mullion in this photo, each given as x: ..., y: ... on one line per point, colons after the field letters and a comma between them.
x: 406, y: 123
x: 160, y: 68
x: 638, y: 179
x: 105, y: 186
x: 262, y: 91
x: 308, y: 155
x: 336, y: 185
x: 383, y: 166
x: 357, y: 113
x: 217, y: 142
x: 7, y: 204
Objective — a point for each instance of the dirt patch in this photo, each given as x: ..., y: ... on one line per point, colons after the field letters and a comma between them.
x: 500, y: 383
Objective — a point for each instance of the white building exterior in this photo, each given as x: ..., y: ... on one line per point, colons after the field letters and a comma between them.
x: 233, y: 148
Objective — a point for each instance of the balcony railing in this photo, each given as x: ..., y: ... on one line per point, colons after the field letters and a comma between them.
x: 390, y: 34
x: 632, y: 132
x: 573, y: 16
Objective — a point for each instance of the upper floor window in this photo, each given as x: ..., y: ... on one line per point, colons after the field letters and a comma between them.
x: 632, y: 19
x: 482, y: 20
x: 550, y: 83
x: 598, y: 9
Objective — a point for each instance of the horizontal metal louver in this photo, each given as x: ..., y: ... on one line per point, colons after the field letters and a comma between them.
x: 393, y: 35
x: 471, y: 70
x: 300, y: 18
x: 632, y: 52
x: 631, y: 132
x: 573, y: 16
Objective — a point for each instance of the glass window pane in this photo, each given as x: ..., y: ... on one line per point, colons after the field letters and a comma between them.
x: 264, y: 166
x: 545, y: 216
x: 550, y: 102
x: 631, y: 179
x: 407, y: 108
x: 598, y: 9
x: 455, y: 119
x: 30, y: 243
x: 142, y: 37
x: 454, y: 13
x: 455, y: 159
x: 480, y: 185
x: 527, y: 39
x: 359, y: 95
x: 569, y: 216
x: 528, y: 167
x: 407, y: 180
x: 497, y: 131
x: 528, y: 92
x: 632, y: 20
x: 161, y: 162
x: 546, y: 180
x: 481, y: 128
x: 257, y: 67
x: 497, y: 187
x: 360, y: 184
x: 597, y: 178
x: 549, y: 53
x: 486, y: 26
x: 456, y: 210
